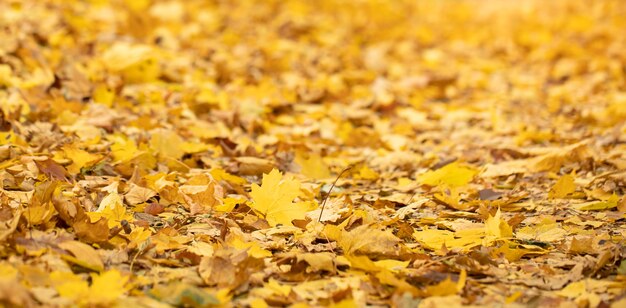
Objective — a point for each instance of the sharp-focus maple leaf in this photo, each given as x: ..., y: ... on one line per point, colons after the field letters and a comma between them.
x: 273, y: 200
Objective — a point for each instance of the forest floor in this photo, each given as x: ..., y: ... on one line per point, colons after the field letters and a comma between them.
x: 313, y: 153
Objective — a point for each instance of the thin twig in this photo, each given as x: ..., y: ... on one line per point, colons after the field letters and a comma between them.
x: 330, y: 190
x: 139, y: 251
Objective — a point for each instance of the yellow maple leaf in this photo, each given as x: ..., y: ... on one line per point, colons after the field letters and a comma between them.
x: 609, y: 203
x: 273, y: 200
x: 464, y: 240
x: 107, y: 287
x: 345, y: 303
x: 497, y: 227
x: 7, y: 272
x: 166, y: 240
x: 392, y: 265
x: 447, y: 286
x: 112, y: 209
x: 312, y: 165
x: 123, y: 148
x: 80, y: 158
x: 547, y: 230
x: 136, y: 63
x: 254, y: 249
x: 452, y: 175
x: 167, y: 142
x: 69, y: 285
x: 278, y: 288
x: 229, y: 204
x: 138, y: 236
x: 7, y: 138
x: 452, y: 197
x: 366, y: 173
x: 564, y: 186
x: 258, y: 303
x: 103, y: 95
x: 221, y: 175
x: 38, y: 214
x: 202, y: 193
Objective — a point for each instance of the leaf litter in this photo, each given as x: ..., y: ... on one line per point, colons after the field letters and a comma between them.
x: 312, y: 153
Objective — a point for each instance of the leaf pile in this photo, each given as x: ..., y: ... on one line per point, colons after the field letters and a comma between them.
x: 157, y: 153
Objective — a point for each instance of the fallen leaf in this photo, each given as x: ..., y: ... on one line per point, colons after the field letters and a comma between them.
x: 273, y: 200
x: 546, y: 231
x: 137, y: 194
x: 451, y: 175
x: 563, y: 187
x: 180, y: 294
x: 550, y: 161
x: 312, y: 165
x: 228, y: 268
x: 113, y: 210
x: 497, y: 228
x: 83, y: 255
x: 597, y: 205
x: 167, y: 143
x: 202, y: 194
x: 80, y: 158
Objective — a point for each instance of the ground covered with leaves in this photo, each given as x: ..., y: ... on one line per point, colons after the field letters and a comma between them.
x: 312, y: 153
